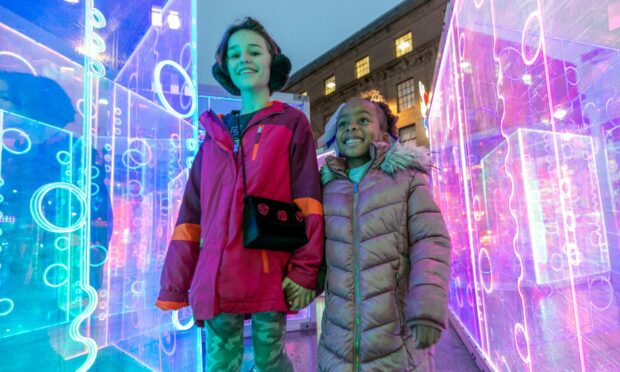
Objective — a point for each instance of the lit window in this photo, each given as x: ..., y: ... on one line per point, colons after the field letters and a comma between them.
x: 404, y: 44
x: 330, y: 85
x: 406, y: 94
x: 304, y: 93
x: 362, y: 67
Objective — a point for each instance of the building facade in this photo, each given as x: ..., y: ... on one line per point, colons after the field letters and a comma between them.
x: 395, y: 54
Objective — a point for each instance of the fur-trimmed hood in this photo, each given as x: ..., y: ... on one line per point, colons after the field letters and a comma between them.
x: 388, y: 157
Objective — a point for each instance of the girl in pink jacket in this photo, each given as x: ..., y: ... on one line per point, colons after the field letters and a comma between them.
x: 207, y: 265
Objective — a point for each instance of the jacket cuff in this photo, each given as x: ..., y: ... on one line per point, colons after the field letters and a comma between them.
x: 430, y: 323
x: 169, y: 305
x: 171, y: 296
x: 302, y: 280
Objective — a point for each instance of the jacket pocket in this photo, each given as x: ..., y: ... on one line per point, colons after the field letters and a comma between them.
x: 399, y: 307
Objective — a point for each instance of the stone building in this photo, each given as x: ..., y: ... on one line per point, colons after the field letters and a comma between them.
x: 395, y: 54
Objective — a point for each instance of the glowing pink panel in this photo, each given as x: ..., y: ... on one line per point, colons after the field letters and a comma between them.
x: 525, y: 126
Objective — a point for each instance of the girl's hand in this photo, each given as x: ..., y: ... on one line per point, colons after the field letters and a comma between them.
x: 424, y: 336
x: 297, y: 296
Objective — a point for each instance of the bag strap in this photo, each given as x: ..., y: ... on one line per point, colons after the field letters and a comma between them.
x: 245, y: 187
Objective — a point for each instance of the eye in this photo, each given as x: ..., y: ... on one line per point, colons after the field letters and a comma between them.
x: 364, y: 121
x: 233, y: 56
x: 343, y: 124
x: 255, y: 54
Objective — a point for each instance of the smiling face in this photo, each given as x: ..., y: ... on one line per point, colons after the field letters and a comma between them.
x: 359, y: 125
x: 248, y: 61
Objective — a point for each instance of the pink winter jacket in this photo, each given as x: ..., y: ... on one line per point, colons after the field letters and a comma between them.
x: 388, y: 262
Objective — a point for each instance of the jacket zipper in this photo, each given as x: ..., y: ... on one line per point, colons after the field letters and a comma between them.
x: 256, y: 141
x: 356, y: 332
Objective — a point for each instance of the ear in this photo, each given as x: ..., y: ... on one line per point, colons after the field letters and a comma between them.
x: 385, y: 137
x: 224, y: 79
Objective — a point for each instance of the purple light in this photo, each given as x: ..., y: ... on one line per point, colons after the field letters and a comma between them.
x: 525, y: 125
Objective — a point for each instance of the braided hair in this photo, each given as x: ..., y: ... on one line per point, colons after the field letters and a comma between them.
x: 389, y: 125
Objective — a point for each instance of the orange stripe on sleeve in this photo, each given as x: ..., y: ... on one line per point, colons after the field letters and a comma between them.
x: 309, y: 206
x: 187, y: 231
x: 170, y: 305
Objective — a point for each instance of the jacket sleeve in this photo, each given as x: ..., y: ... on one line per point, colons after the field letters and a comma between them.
x: 184, y: 248
x: 306, y: 191
x: 429, y: 255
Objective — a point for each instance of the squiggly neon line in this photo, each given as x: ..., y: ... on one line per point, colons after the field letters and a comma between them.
x: 563, y: 201
x: 511, y: 198
x: 84, y: 280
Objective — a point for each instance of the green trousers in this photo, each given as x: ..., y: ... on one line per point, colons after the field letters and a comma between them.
x: 224, y: 342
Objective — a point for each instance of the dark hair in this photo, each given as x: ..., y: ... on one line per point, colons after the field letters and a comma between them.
x: 390, y: 118
x: 280, y: 64
x: 374, y: 96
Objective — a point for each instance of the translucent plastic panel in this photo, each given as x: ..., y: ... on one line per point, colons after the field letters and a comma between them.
x: 88, y: 174
x: 524, y: 123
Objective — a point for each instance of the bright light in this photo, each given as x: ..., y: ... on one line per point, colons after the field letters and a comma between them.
x: 331, y: 85
x: 404, y: 45
x: 157, y: 18
x: 85, y: 51
x: 560, y: 114
x: 423, y: 97
x: 527, y: 79
x: 72, y: 1
x: 103, y: 101
x: 174, y: 21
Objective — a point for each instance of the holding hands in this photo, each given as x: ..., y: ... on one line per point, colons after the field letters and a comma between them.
x: 297, y: 297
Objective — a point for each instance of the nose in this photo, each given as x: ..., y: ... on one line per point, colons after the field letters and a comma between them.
x: 246, y: 57
x: 352, y: 126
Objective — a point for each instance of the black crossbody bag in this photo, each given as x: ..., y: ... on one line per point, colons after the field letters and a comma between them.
x: 270, y: 224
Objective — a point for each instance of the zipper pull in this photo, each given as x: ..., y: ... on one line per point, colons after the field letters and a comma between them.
x: 355, y: 187
x: 258, y: 133
x: 236, y: 147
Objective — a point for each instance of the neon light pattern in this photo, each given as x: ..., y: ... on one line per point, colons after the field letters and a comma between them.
x: 526, y: 148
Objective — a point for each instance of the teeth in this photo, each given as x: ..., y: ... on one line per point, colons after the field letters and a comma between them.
x: 352, y: 141
x: 245, y: 71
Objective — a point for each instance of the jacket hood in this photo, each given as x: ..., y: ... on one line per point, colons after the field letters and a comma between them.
x: 388, y: 157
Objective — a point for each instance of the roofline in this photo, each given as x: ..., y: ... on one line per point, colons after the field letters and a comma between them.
x: 358, y: 37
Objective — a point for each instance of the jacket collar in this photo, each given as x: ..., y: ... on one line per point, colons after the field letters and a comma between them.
x: 387, y: 157
x: 217, y: 130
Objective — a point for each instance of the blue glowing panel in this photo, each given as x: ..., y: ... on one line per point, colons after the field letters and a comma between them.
x: 85, y: 219
x: 38, y: 217
x: 162, y: 67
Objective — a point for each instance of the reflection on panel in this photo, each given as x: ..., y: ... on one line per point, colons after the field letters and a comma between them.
x: 89, y: 170
x: 524, y: 125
